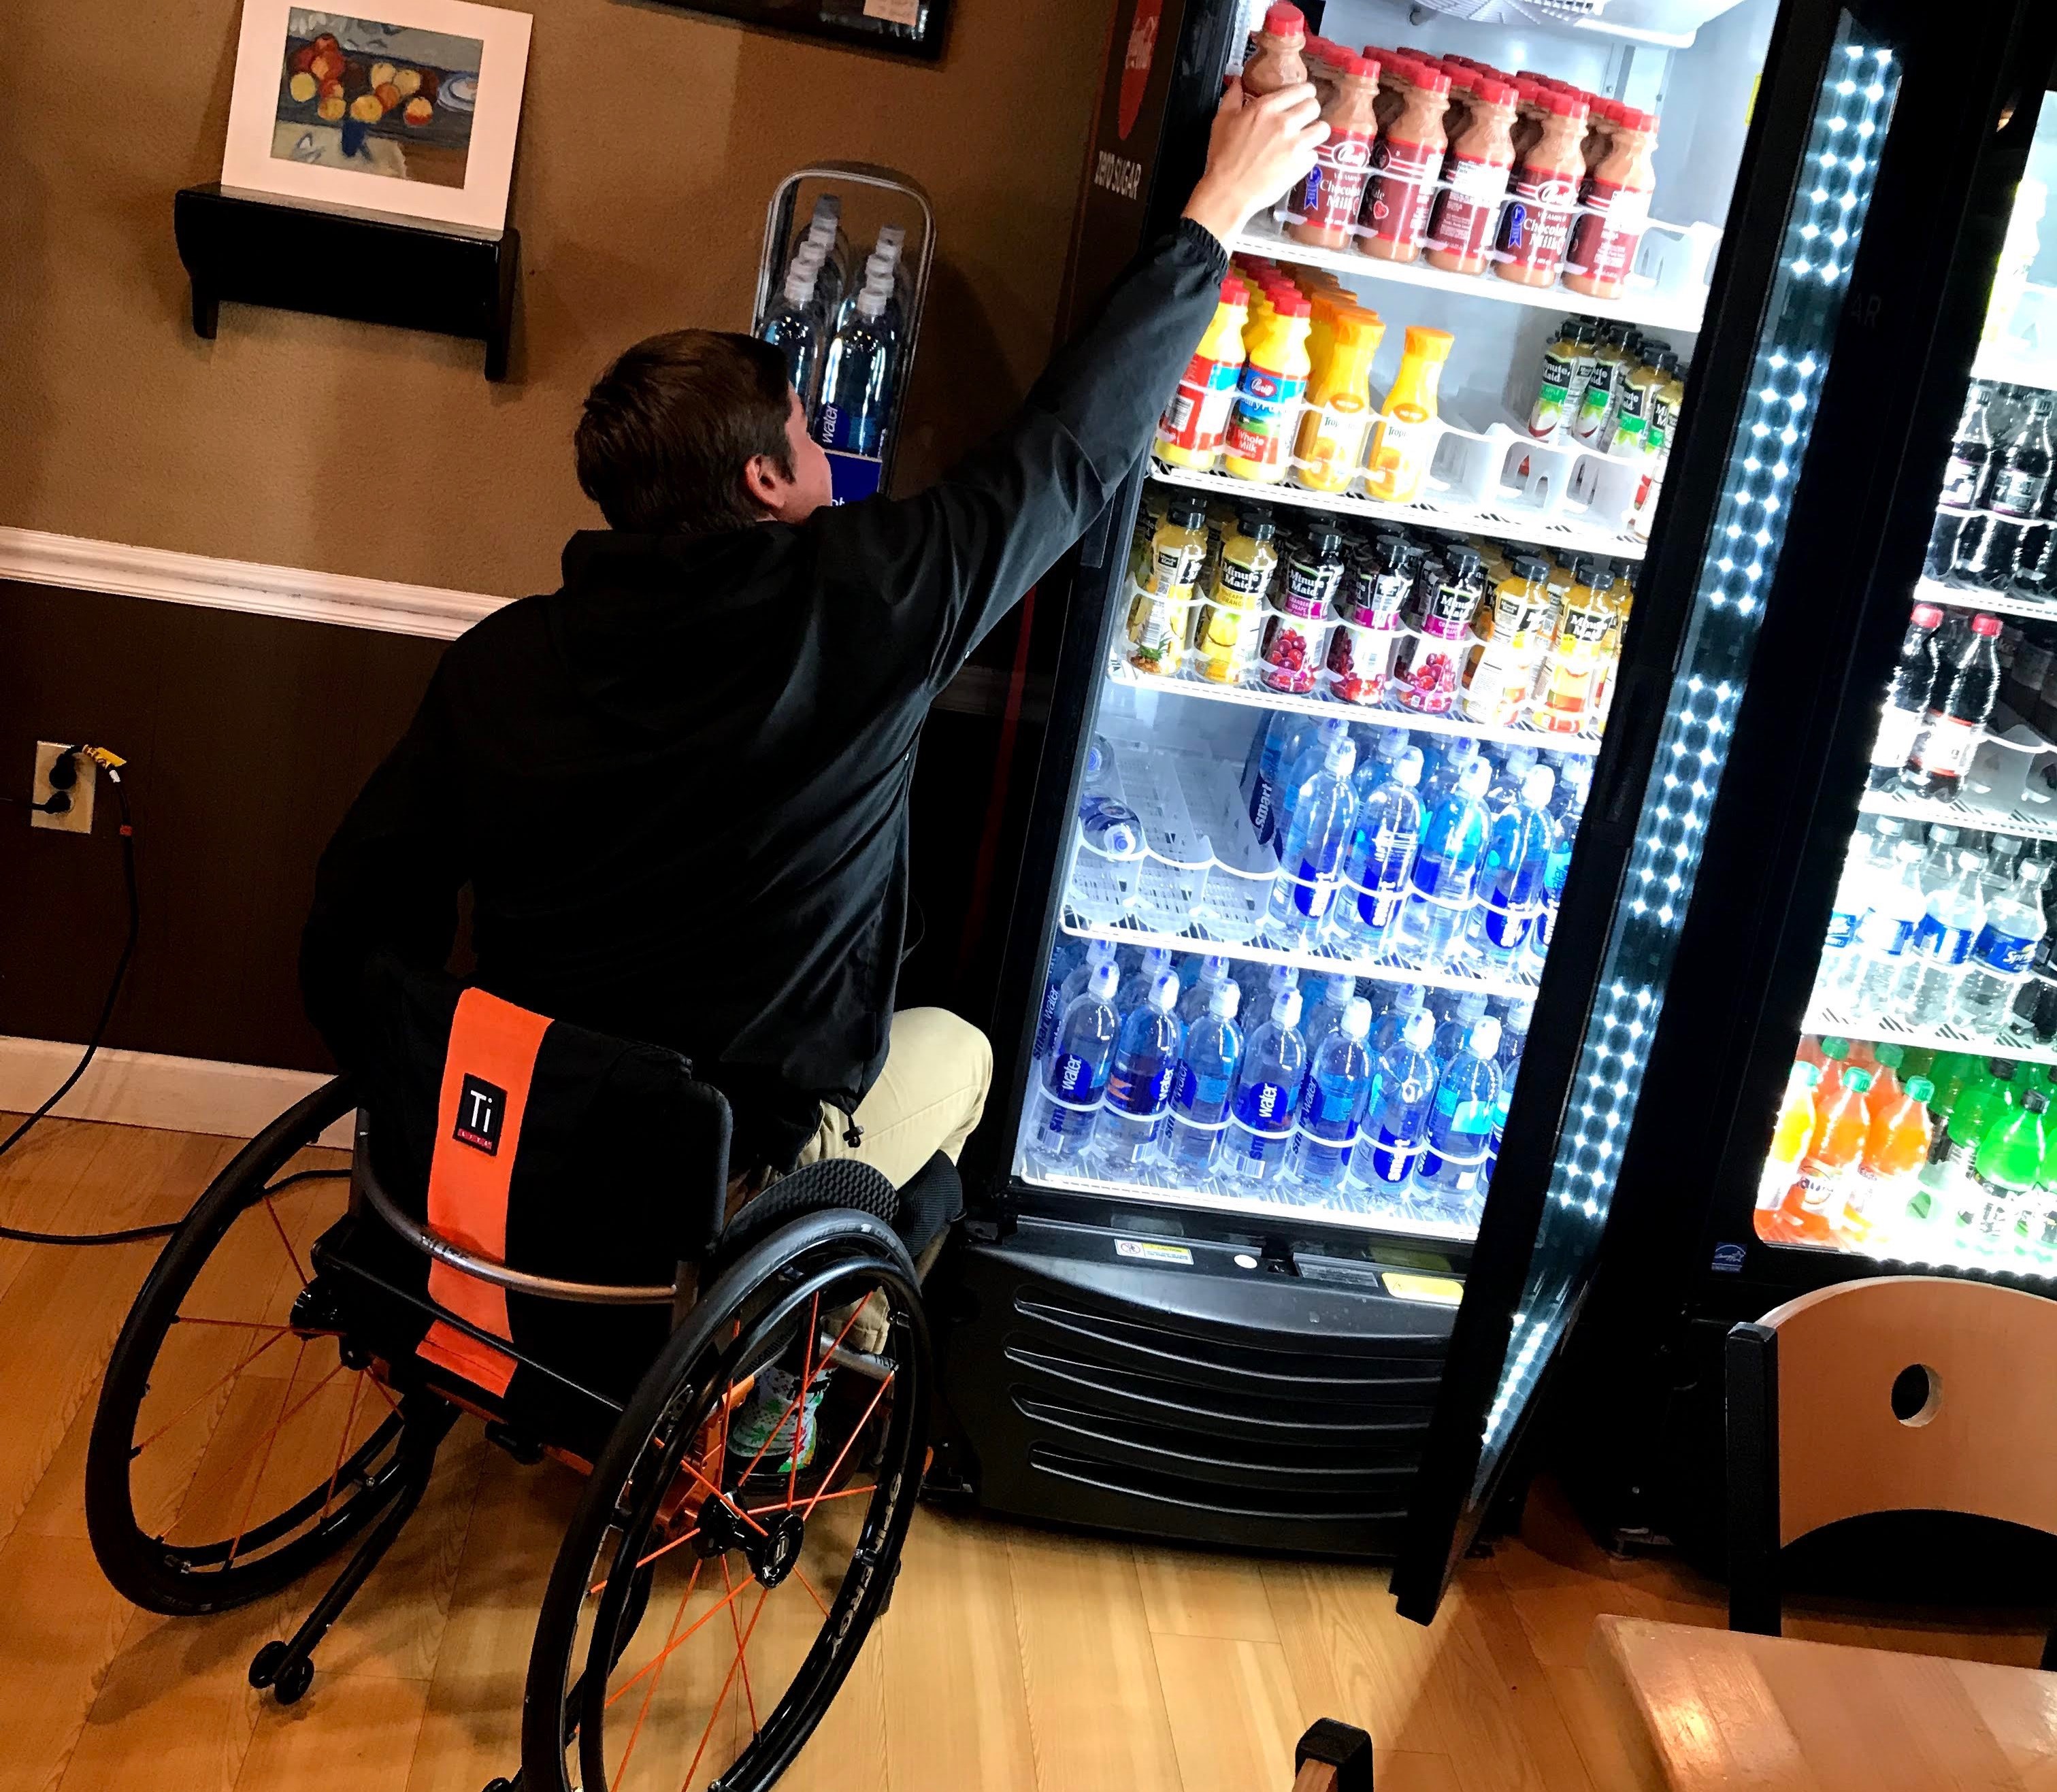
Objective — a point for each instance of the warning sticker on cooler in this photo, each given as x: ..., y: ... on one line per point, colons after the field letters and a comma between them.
x: 1150, y: 1250
x: 1443, y: 1291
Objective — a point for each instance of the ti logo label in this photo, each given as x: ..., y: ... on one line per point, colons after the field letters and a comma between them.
x: 481, y: 1107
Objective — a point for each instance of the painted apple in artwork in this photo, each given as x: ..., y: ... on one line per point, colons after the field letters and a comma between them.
x: 366, y: 108
x: 382, y: 74
x: 326, y: 64
x: 304, y: 87
x: 333, y: 106
x: 409, y: 81
x: 419, y: 110
x: 298, y: 62
x: 388, y: 95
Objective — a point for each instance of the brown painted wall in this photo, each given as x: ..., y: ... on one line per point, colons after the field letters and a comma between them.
x: 651, y: 142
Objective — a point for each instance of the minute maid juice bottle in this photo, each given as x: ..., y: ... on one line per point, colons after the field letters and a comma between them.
x: 1266, y: 407
x: 1160, y: 605
x: 1190, y: 433
x: 1406, y: 439
x: 1331, y: 443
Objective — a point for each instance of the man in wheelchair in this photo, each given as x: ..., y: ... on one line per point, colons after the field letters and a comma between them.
x: 676, y: 790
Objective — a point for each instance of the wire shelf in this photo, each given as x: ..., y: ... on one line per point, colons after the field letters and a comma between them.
x: 1157, y: 1186
x: 1997, y: 603
x: 1259, y: 697
x: 2036, y: 822
x: 2012, y: 1040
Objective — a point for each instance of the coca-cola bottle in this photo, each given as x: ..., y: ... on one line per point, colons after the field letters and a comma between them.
x: 1906, y: 698
x: 2021, y: 488
x: 1957, y: 546
x: 1971, y: 456
x: 1956, y: 724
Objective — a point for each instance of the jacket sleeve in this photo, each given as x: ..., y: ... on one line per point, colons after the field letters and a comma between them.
x: 390, y: 878
x: 947, y: 564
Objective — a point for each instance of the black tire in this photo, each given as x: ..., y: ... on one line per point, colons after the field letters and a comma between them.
x: 268, y: 1548
x: 814, y: 1265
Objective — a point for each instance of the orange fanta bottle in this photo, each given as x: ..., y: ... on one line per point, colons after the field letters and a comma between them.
x: 1896, y: 1147
x: 1789, y: 1140
x: 1884, y: 1068
x: 1835, y: 1060
x: 1815, y: 1201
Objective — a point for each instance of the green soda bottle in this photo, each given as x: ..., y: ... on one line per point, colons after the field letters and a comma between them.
x: 2003, y: 1180
x: 1918, y: 1061
x: 1951, y: 1071
x: 1979, y: 1103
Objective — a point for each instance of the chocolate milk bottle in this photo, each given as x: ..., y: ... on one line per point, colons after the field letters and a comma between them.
x: 1328, y: 200
x: 1274, y: 60
x: 1393, y: 81
x: 1481, y: 157
x: 1536, y: 221
x: 1404, y: 163
x: 1616, y: 198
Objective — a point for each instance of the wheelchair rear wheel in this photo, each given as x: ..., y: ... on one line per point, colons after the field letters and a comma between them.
x: 239, y: 1441
x: 709, y: 1600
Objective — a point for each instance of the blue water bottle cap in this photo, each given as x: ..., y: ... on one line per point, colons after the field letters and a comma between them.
x: 1357, y: 1019
x: 1106, y: 978
x: 1164, y: 993
x: 1485, y: 1037
x: 1224, y: 1001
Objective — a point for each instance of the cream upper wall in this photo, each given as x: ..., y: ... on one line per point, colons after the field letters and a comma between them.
x: 651, y: 140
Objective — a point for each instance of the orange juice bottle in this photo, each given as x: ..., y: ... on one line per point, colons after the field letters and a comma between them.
x: 1331, y: 443
x: 1789, y: 1140
x: 1260, y: 433
x: 1835, y: 1057
x: 1896, y: 1147
x: 1885, y: 1079
x: 1190, y: 433
x: 1406, y: 438
x: 1815, y: 1201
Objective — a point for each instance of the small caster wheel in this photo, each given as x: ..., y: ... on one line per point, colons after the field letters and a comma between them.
x: 291, y: 1686
x: 264, y: 1664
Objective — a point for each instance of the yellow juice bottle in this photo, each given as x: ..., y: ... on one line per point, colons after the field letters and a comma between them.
x: 1190, y: 433
x: 1260, y: 433
x: 1331, y: 444
x: 1406, y: 439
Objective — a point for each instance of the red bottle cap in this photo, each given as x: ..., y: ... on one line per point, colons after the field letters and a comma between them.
x: 1364, y: 68
x: 1233, y: 291
x: 1985, y: 625
x: 1494, y: 92
x: 1927, y: 615
x: 1302, y: 308
x: 1285, y: 21
x: 1430, y: 78
x: 1566, y: 105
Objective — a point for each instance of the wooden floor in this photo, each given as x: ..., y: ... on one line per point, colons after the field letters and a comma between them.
x: 1013, y: 1660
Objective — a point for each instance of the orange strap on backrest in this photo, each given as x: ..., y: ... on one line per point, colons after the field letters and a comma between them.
x: 487, y: 1075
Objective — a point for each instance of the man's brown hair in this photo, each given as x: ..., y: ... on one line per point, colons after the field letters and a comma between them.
x: 670, y: 426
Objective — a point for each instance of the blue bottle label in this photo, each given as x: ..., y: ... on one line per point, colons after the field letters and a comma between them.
x: 1842, y: 929
x: 1942, y: 945
x: 1885, y: 935
x: 1201, y: 1098
x: 1076, y: 1080
x: 1391, y: 1156
x: 1313, y: 887
x: 1508, y: 924
x: 1047, y: 1019
x: 1444, y: 881
x: 852, y: 432
x: 1144, y: 1097
x: 1266, y: 1108
x: 2006, y: 955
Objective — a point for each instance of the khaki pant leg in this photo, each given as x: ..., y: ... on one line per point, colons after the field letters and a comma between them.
x: 938, y: 1072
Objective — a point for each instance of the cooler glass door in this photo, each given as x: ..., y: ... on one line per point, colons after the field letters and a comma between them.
x: 1865, y: 134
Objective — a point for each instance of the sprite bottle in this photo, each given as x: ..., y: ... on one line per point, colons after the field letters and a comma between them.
x: 2005, y: 1170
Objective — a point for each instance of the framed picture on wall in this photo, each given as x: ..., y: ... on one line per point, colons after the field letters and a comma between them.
x: 905, y: 27
x: 413, y: 112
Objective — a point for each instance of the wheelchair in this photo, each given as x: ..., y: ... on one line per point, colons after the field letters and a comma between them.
x: 308, y: 1337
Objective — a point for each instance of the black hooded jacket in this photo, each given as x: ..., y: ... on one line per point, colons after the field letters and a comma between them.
x: 678, y: 786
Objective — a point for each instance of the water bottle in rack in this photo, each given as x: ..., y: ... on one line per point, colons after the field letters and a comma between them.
x: 1513, y: 1041
x: 2006, y: 947
x: 1214, y: 974
x: 1444, y: 881
x: 1934, y: 970
x: 1887, y: 929
x: 1332, y: 996
x: 1397, y: 1125
x: 1324, y: 818
x: 1408, y: 1000
x: 1381, y: 855
x: 1206, y: 1079
x: 1075, y: 1079
x: 1136, y: 986
x: 795, y: 329
x: 1450, y: 1182
x: 857, y: 395
x: 1517, y: 865
x: 1333, y: 1103
x: 1139, y: 1086
x: 1268, y: 1092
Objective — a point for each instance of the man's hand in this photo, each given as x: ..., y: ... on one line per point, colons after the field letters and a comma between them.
x: 1258, y: 150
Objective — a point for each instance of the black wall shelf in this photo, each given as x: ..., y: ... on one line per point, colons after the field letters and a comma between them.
x: 259, y: 251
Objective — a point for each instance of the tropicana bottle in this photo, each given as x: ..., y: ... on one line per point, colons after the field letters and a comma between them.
x: 1405, y: 441
x: 1331, y: 448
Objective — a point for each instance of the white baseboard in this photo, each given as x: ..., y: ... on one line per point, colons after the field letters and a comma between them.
x: 147, y: 1088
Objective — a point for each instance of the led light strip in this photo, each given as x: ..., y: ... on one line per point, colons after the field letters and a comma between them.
x: 1853, y: 107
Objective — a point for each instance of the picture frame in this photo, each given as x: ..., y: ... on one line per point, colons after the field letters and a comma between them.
x: 412, y: 113
x: 909, y: 28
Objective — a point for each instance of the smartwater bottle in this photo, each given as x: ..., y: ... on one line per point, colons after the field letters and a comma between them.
x: 1267, y: 1091
x: 1510, y: 780
x: 1066, y: 957
x: 856, y: 382
x: 1200, y: 1091
x: 1569, y: 807
x: 1309, y: 753
x: 1444, y: 881
x: 1332, y: 996
x: 1517, y: 863
x: 1449, y: 1182
x: 1408, y: 1000
x: 1279, y: 745
x: 1075, y: 1079
x: 2005, y: 949
x: 1136, y: 986
x: 1842, y: 964
x: 1397, y: 1124
x: 1311, y: 867
x: 1214, y: 975
x: 1139, y: 1086
x: 794, y: 328
x: 1466, y: 1013
x: 1381, y: 854
x: 1513, y: 1041
x: 1333, y: 1103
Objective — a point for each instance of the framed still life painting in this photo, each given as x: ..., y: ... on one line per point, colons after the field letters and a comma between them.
x: 412, y: 113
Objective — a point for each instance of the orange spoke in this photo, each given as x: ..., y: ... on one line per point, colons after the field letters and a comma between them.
x: 798, y: 1397
x: 663, y: 1549
x: 810, y: 1585
x: 718, y: 1494
x: 729, y: 1680
x: 698, y: 1624
x: 271, y: 1438
x: 279, y: 1226
x: 242, y: 1363
x: 671, y: 1631
x: 736, y: 1625
x: 818, y: 1499
x: 312, y: 1392
x: 848, y: 1443
x: 382, y: 1394
x: 239, y: 1325
x: 343, y: 1444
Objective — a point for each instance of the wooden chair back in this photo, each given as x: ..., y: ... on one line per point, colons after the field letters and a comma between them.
x: 1900, y: 1393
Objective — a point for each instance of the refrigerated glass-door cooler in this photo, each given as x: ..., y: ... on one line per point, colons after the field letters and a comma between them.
x: 1360, y: 690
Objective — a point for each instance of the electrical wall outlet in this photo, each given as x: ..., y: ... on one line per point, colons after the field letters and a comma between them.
x: 78, y: 818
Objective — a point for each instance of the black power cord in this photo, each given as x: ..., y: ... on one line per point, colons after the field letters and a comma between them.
x: 130, y: 1234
